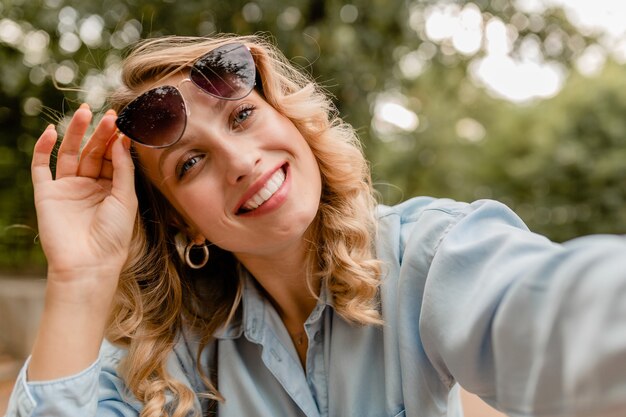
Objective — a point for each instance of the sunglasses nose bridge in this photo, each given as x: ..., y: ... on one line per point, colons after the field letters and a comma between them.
x: 183, y: 81
x: 180, y: 91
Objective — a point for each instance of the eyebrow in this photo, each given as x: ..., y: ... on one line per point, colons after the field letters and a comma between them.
x: 219, y: 104
x: 168, y: 151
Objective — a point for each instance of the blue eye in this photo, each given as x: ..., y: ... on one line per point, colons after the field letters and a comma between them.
x: 186, y: 165
x: 242, y: 114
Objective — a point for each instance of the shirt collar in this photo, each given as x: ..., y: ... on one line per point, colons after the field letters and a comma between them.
x: 250, y: 315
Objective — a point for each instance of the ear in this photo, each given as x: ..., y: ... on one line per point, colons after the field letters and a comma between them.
x: 191, y: 235
x: 198, y: 239
x: 181, y: 240
x: 190, y: 232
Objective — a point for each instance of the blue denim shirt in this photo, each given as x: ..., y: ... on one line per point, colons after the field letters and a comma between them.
x: 469, y: 296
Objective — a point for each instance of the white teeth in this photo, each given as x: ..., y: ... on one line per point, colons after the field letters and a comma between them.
x: 258, y: 200
x: 271, y: 186
x: 265, y: 193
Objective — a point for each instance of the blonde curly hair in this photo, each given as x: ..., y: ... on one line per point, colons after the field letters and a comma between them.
x: 158, y: 296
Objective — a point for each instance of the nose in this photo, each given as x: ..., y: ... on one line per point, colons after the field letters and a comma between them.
x: 240, y: 157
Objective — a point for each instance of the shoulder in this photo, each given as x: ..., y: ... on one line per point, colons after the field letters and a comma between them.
x: 422, y: 219
x: 111, y: 355
x: 180, y: 366
x: 410, y: 210
x: 434, y: 217
x: 180, y: 360
x: 414, y: 209
x: 411, y: 235
x: 425, y: 215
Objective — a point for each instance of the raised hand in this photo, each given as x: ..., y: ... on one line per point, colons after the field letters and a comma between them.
x: 85, y: 214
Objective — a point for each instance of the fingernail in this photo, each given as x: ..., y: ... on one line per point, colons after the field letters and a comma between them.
x: 126, y: 142
x: 84, y: 106
x: 110, y: 112
x: 50, y: 126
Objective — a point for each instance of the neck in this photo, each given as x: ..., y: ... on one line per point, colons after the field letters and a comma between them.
x: 283, y: 277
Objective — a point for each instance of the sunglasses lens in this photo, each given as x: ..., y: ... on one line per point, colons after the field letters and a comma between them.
x: 227, y: 72
x: 156, y: 118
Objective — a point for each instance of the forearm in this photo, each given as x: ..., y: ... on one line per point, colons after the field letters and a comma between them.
x: 72, y: 327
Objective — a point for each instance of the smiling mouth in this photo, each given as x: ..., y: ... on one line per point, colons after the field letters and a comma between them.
x: 272, y: 185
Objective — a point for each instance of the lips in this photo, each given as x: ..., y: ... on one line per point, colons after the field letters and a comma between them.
x: 265, y: 192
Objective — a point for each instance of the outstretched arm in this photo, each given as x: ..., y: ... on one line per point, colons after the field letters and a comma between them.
x: 534, y: 327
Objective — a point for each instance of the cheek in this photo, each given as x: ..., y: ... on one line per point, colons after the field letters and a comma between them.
x: 198, y: 207
x: 313, y: 168
x: 203, y: 203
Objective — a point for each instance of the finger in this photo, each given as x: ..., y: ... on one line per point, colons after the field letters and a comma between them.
x: 108, y: 155
x: 107, y: 163
x: 67, y: 159
x: 40, y: 166
x: 123, y: 172
x: 92, y: 156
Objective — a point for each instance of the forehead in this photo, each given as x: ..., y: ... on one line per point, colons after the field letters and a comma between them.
x: 174, y: 79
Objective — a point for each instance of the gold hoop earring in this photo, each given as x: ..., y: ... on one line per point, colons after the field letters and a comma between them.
x: 183, y: 247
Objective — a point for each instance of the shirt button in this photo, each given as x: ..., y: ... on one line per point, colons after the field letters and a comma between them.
x: 318, y: 337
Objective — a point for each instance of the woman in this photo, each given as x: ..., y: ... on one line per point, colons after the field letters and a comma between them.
x: 228, y: 248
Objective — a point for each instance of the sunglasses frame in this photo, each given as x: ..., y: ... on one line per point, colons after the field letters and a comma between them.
x: 174, y: 89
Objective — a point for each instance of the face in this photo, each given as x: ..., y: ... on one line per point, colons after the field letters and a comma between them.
x: 242, y: 176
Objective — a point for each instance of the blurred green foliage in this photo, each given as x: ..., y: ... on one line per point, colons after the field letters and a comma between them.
x: 558, y: 162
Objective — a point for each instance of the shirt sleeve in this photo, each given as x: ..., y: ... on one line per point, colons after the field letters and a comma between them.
x: 534, y: 327
x: 95, y: 391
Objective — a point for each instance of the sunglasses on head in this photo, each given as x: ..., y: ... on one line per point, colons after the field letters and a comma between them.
x: 158, y: 117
